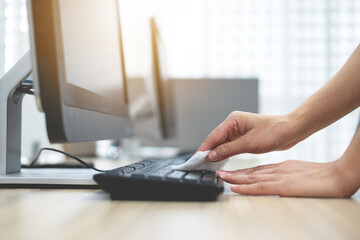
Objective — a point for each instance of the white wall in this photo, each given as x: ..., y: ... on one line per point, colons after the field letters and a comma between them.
x: 34, y: 133
x: 293, y: 47
x: 2, y: 36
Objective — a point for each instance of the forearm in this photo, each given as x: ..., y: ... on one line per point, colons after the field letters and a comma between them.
x: 334, y: 100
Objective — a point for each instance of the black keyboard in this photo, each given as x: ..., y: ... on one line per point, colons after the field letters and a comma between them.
x: 153, y: 179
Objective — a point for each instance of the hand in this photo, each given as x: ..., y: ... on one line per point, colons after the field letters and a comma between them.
x: 293, y: 179
x: 245, y: 132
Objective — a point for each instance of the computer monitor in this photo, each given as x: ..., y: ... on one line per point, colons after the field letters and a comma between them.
x: 76, y: 59
x: 176, y: 110
x: 161, y: 82
x: 80, y: 77
x: 150, y: 103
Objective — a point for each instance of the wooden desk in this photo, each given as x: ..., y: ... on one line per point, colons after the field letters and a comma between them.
x: 90, y: 214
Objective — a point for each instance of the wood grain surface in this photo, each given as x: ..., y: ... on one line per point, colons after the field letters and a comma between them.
x: 90, y: 214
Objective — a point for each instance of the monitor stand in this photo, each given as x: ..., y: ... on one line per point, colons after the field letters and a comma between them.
x: 11, y: 174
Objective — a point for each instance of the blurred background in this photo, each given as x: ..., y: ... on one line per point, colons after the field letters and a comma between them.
x: 292, y: 47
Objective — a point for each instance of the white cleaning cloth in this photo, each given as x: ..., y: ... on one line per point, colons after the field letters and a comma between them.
x: 199, y: 163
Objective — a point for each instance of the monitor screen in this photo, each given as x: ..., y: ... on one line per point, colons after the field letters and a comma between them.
x: 150, y: 97
x: 161, y: 83
x: 92, y: 59
x: 79, y: 69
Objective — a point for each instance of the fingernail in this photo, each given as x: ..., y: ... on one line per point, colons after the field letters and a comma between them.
x: 222, y: 173
x: 212, y: 156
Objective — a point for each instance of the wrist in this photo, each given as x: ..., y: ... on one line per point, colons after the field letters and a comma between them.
x: 293, y: 129
x: 300, y: 125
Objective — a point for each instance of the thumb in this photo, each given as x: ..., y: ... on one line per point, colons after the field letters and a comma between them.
x: 228, y: 149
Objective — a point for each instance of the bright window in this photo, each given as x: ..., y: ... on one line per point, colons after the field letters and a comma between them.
x: 292, y: 46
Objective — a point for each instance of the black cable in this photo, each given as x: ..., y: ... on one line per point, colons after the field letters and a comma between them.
x: 66, y: 154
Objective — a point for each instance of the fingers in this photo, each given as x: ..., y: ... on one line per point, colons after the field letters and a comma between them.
x: 215, y: 138
x: 229, y: 130
x: 260, y: 180
x: 260, y: 188
x: 226, y: 150
x: 261, y: 168
x: 246, y: 178
x: 250, y: 175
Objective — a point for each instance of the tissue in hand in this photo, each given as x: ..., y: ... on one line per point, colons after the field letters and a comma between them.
x: 199, y: 163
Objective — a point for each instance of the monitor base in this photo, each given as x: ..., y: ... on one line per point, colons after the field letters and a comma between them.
x: 49, y: 178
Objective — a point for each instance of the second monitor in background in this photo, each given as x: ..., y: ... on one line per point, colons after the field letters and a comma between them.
x: 200, y: 105
x: 182, y: 112
x: 150, y: 102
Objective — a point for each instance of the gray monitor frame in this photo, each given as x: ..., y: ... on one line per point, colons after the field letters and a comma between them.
x: 64, y: 123
x: 68, y: 117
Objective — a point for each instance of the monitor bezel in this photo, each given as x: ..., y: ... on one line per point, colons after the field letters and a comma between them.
x: 163, y: 97
x: 67, y: 122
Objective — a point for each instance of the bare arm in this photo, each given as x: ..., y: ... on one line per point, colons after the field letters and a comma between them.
x: 246, y: 132
x: 334, y: 100
x: 253, y: 133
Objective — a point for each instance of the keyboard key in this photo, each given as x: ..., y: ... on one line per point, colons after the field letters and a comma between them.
x: 152, y: 168
x: 147, y: 162
x: 193, y: 177
x: 125, y: 170
x: 176, y: 176
x: 209, y: 178
x: 136, y: 165
x: 160, y: 175
x: 177, y: 161
x: 210, y: 174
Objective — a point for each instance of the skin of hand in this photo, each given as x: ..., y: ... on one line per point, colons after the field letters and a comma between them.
x: 253, y: 133
x: 339, y: 178
x: 244, y: 132
x: 289, y: 178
